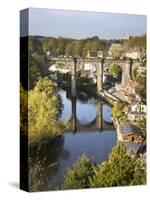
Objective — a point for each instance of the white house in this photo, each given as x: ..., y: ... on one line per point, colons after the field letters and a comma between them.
x: 136, y: 116
x: 89, y: 67
x: 135, y: 54
x: 141, y: 71
x: 100, y: 54
x: 57, y: 68
x: 53, y: 68
x: 138, y: 107
x: 137, y: 111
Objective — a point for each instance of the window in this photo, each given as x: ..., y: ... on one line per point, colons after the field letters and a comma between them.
x: 132, y: 139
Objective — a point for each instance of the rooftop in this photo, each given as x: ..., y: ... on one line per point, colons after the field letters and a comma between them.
x: 127, y: 129
x: 134, y: 84
x: 134, y: 148
x: 93, y: 53
x: 137, y: 113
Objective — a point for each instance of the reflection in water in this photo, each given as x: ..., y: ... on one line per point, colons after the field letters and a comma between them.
x: 88, y: 113
x: 66, y: 113
x: 49, y: 161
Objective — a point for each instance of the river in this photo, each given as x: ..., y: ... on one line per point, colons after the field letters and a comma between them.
x: 65, y: 150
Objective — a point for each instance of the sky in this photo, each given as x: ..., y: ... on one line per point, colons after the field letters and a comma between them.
x: 79, y: 25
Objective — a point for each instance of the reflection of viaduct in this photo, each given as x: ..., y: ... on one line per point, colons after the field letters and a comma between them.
x: 101, y: 64
x: 97, y: 124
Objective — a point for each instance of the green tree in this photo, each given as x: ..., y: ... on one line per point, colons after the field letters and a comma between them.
x: 141, y: 90
x: 23, y: 111
x: 137, y: 41
x: 119, y: 170
x: 77, y: 177
x: 115, y: 70
x: 117, y: 110
x: 43, y: 111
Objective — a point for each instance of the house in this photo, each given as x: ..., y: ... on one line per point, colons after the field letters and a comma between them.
x: 133, y: 54
x: 141, y: 71
x: 115, y: 48
x: 57, y: 68
x: 136, y: 115
x: 92, y: 54
x: 137, y: 107
x: 129, y: 133
x: 133, y: 86
x: 100, y: 54
x: 95, y: 54
x: 137, y: 111
x: 89, y: 67
x: 134, y: 149
x: 53, y: 68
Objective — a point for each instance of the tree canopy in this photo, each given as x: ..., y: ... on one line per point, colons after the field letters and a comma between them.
x: 43, y: 110
x: 117, y: 110
x: 137, y: 41
x: 119, y: 170
x: 23, y: 111
x: 77, y: 177
x: 115, y: 70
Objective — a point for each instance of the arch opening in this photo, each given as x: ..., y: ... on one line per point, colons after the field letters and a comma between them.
x: 112, y: 75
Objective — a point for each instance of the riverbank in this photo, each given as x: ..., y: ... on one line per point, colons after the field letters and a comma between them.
x: 108, y: 97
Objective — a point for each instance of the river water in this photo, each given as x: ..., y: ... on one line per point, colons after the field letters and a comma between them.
x: 66, y: 150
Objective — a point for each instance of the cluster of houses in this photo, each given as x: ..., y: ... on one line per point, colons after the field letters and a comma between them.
x: 118, y: 50
x: 130, y: 131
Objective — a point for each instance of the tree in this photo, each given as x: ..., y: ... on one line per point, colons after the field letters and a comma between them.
x: 141, y: 90
x: 117, y: 110
x: 115, y: 70
x: 34, y: 75
x: 139, y: 173
x: 77, y: 177
x: 43, y: 111
x: 116, y: 49
x: 23, y: 111
x: 119, y: 170
x: 137, y: 41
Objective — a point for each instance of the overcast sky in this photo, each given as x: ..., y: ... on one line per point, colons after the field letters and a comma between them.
x: 76, y: 24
